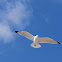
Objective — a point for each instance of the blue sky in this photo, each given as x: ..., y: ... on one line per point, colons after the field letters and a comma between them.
x: 39, y: 17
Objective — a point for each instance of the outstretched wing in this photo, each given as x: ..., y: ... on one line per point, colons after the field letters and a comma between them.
x: 48, y: 40
x: 26, y: 34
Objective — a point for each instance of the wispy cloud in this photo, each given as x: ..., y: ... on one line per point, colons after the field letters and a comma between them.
x: 13, y: 15
x: 46, y: 19
x: 5, y: 32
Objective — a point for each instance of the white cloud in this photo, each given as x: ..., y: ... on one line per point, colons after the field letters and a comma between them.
x: 5, y: 32
x: 15, y: 15
x: 19, y: 14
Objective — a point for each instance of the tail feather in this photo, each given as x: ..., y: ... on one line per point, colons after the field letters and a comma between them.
x: 36, y: 46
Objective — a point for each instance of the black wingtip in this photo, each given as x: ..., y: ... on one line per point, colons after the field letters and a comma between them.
x: 16, y: 31
x: 59, y: 43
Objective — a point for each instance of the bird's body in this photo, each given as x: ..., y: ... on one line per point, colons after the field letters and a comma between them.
x: 36, y: 40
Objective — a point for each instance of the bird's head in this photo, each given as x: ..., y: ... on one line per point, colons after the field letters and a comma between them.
x: 36, y: 35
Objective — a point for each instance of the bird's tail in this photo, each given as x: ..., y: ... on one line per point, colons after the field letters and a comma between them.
x: 36, y: 46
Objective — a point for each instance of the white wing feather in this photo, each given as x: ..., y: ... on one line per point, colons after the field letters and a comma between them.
x: 26, y: 34
x: 47, y: 40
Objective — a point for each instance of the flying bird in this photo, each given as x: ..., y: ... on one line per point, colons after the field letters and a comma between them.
x: 36, y: 40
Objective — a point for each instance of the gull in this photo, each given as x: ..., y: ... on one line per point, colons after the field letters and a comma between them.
x: 36, y: 40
